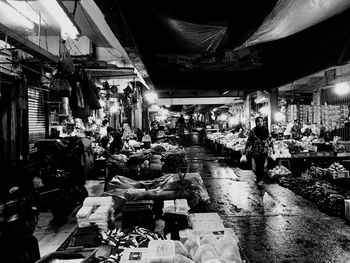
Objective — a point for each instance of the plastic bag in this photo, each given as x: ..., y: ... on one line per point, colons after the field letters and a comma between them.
x: 227, y: 248
x: 180, y: 249
x: 191, y: 246
x: 182, y: 259
x: 209, y: 239
x: 205, y: 252
x: 243, y: 159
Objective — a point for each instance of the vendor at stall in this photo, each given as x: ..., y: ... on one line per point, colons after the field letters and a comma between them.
x: 258, y: 145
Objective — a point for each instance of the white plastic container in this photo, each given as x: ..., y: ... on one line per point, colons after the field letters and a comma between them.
x: 161, y: 251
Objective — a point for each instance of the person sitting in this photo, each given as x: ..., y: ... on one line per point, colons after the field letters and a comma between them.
x: 117, y: 144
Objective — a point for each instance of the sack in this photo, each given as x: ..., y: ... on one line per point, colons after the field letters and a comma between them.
x: 243, y: 159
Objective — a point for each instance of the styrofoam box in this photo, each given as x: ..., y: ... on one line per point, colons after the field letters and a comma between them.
x: 134, y: 255
x: 205, y: 217
x: 181, y: 205
x: 101, y: 200
x: 205, y: 227
x: 161, y: 251
x: 169, y: 206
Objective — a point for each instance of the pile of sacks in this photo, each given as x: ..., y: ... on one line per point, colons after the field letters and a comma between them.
x: 96, y: 211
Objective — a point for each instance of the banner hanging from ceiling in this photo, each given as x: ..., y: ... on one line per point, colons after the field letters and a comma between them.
x: 292, y: 16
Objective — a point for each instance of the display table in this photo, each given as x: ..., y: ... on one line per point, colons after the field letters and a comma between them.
x: 307, y: 158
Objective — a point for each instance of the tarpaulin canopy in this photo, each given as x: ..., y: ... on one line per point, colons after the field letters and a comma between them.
x: 172, y: 35
x: 292, y: 16
x: 195, y: 37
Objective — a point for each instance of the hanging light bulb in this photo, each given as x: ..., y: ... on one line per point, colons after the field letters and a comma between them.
x: 151, y: 97
x: 342, y: 88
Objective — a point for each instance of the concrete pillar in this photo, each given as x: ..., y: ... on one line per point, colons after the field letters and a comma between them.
x: 247, y: 109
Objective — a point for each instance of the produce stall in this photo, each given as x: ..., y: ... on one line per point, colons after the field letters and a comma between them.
x: 176, y: 235
x: 230, y: 145
x: 327, y: 187
x: 298, y: 155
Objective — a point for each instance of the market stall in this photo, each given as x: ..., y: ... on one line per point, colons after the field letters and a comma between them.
x: 230, y: 145
x: 175, y: 235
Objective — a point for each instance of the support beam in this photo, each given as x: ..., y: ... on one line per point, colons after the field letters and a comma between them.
x: 196, y: 101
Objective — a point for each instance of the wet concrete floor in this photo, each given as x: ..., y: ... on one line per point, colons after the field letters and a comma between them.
x: 272, y: 223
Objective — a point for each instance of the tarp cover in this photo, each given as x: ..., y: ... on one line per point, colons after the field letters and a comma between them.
x: 292, y: 16
x: 165, y: 187
x: 197, y: 37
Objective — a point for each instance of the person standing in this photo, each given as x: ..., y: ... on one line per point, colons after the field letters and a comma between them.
x: 180, y: 124
x: 258, y: 146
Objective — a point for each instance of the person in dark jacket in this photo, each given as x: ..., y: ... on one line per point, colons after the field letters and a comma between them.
x: 258, y: 146
x: 117, y: 144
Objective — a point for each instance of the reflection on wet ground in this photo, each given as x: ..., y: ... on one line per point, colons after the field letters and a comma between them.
x: 273, y: 224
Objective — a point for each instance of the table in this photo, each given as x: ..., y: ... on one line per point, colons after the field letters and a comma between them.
x: 298, y: 164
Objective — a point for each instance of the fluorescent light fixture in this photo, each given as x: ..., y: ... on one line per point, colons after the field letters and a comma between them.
x: 57, y: 11
x: 13, y: 15
x: 225, y: 92
x: 342, y: 88
x: 151, y: 97
x: 24, y: 8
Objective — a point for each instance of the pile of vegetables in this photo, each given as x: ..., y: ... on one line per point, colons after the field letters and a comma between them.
x: 279, y: 171
x: 173, y: 160
x: 158, y: 149
x: 293, y: 148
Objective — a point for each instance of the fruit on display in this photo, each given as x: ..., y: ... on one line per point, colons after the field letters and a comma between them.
x: 317, y: 172
x: 336, y: 168
x: 295, y: 148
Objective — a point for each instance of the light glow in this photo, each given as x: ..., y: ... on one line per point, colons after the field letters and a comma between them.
x: 342, y: 88
x: 164, y: 112
x: 151, y: 97
x: 13, y: 15
x: 68, y: 29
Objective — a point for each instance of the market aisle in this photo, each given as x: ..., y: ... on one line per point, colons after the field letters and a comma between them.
x: 273, y: 224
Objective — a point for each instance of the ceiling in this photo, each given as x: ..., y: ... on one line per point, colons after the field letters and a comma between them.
x: 149, y: 31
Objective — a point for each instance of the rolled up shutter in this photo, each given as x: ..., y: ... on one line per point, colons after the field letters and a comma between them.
x: 36, y: 118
